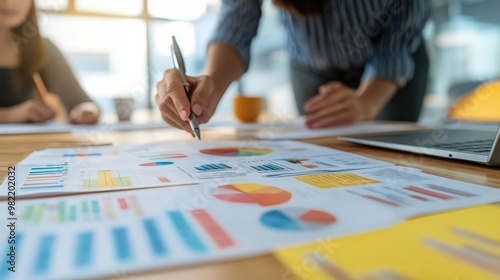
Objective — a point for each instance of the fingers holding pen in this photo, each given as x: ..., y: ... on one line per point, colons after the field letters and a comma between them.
x: 175, y: 105
x: 172, y: 101
x: 204, y: 99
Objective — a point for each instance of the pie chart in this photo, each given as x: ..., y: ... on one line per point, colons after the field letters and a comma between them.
x: 252, y: 194
x: 297, y: 219
x: 156, y: 163
x: 236, y: 151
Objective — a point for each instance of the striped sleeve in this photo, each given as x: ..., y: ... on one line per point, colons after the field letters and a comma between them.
x: 237, y: 26
x: 392, y: 54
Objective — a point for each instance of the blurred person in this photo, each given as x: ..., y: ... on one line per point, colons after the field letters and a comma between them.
x: 23, y: 52
x: 350, y: 61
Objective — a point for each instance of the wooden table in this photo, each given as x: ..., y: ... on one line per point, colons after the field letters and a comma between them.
x: 14, y: 148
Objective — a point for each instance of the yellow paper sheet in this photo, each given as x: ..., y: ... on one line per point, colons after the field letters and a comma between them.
x: 463, y: 244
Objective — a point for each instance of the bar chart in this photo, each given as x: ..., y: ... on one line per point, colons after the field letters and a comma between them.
x: 46, y: 177
x: 147, y: 238
x: 67, y: 211
x: 410, y: 195
x: 105, y: 178
x: 477, y: 250
x: 158, y: 156
x: 73, y: 155
x: 268, y: 167
x: 123, y: 178
x: 212, y: 167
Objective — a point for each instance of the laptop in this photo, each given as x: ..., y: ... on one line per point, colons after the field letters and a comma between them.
x: 482, y: 146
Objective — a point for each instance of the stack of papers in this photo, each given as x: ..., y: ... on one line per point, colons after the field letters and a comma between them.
x: 296, y: 129
x: 206, y: 201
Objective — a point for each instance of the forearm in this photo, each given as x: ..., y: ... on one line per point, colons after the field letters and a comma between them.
x: 224, y: 65
x: 373, y: 95
x: 4, y: 115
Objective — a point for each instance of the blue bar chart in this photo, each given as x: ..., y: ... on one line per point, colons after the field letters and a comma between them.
x: 158, y: 246
x: 123, y: 251
x: 84, y: 249
x: 44, y: 254
x: 212, y: 167
x: 270, y: 167
x: 46, y: 177
x: 195, y: 232
x: 186, y: 232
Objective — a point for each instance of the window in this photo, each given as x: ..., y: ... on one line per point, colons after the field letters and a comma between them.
x: 463, y: 38
x: 122, y: 47
x: 52, y: 5
x: 118, y: 7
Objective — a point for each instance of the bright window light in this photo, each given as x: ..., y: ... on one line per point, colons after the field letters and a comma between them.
x: 184, y: 34
x: 119, y: 7
x: 178, y: 10
x: 55, y: 5
x: 118, y: 52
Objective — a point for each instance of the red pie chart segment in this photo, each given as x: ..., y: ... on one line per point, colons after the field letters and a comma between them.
x: 318, y: 217
x: 252, y: 194
x: 297, y: 219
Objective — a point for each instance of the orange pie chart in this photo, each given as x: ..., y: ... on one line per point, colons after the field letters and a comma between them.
x: 252, y: 194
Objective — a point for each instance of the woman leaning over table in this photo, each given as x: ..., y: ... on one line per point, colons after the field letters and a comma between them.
x: 351, y: 60
x: 23, y: 52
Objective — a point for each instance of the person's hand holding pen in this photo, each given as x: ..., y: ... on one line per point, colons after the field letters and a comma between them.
x: 178, y: 102
x: 175, y: 106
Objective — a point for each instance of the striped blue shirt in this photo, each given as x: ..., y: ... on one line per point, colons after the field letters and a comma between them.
x: 379, y: 35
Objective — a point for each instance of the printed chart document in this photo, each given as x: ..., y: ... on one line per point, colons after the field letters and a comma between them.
x: 105, y: 233
x: 105, y: 168
x: 463, y: 243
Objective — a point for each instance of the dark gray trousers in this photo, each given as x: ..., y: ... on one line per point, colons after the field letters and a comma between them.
x: 405, y: 105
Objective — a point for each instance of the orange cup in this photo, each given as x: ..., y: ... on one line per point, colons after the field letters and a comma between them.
x: 247, y: 108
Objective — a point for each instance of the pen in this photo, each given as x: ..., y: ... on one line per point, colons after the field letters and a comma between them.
x: 40, y: 89
x: 181, y: 68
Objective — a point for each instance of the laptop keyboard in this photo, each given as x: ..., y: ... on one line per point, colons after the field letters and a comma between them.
x: 478, y: 146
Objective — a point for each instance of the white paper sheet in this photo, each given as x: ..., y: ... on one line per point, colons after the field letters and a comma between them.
x: 112, y: 234
x: 111, y: 168
x: 290, y: 130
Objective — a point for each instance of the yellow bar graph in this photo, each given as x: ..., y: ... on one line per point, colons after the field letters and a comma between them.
x: 105, y: 178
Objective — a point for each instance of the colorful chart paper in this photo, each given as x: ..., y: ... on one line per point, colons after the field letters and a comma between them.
x: 77, y: 211
x: 297, y: 219
x: 160, y: 155
x: 157, y: 163
x: 236, y: 151
x: 335, y: 180
x: 47, y: 177
x: 252, y: 194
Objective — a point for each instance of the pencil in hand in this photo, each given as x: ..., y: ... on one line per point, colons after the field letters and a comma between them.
x: 49, y: 99
x: 40, y: 89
